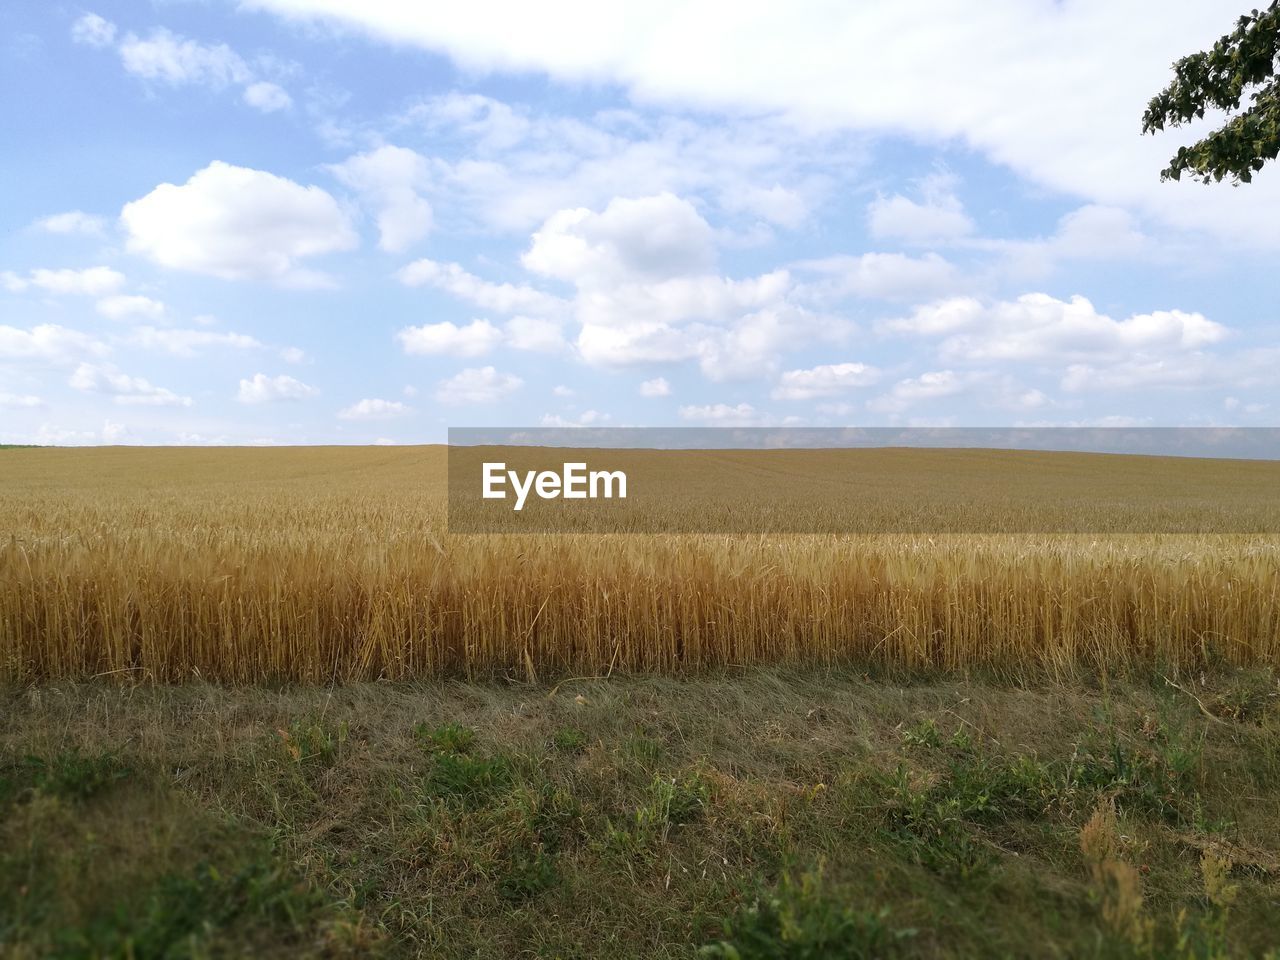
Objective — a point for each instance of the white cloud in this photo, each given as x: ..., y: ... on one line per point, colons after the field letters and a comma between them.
x: 560, y: 390
x: 938, y: 216
x: 505, y: 298
x: 122, y: 388
x: 654, y: 237
x: 389, y: 179
x: 927, y: 386
x: 177, y: 61
x: 1037, y: 326
x: 1099, y: 232
x: 124, y: 306
x: 984, y: 388
x: 47, y: 343
x: 475, y: 339
x: 374, y: 409
x: 510, y: 169
x: 114, y: 432
x: 657, y: 387
x: 169, y: 58
x: 826, y: 380
x: 73, y: 221
x: 238, y: 223
x: 267, y: 97
x: 293, y: 355
x: 588, y: 418
x: 90, y: 282
x: 1033, y: 106
x: 643, y: 293
x: 93, y: 31
x: 477, y: 385
x: 20, y: 400
x: 881, y: 276
x: 1190, y: 370
x: 538, y: 334
x: 721, y: 414
x: 492, y: 124
x: 189, y: 343
x: 264, y: 389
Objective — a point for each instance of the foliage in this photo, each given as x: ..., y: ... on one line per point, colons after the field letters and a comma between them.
x: 802, y: 921
x: 1243, y: 61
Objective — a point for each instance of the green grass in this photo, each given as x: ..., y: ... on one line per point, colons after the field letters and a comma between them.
x: 761, y: 815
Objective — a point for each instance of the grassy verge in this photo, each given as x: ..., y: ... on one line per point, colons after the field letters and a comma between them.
x: 761, y: 815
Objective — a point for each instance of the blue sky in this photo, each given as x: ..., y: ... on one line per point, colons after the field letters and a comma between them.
x: 312, y: 221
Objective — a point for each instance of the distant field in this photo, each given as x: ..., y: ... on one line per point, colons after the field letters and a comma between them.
x: 322, y: 564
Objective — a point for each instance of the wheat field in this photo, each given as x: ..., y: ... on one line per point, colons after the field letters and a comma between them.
x: 334, y: 564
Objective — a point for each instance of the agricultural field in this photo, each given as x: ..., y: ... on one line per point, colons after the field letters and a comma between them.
x: 263, y: 702
x: 335, y: 564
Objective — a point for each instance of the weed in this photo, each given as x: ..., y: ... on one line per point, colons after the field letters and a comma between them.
x: 802, y: 921
x: 923, y: 734
x: 313, y: 743
x: 530, y: 873
x: 569, y: 740
x: 75, y: 776
x: 447, y: 738
x: 469, y: 781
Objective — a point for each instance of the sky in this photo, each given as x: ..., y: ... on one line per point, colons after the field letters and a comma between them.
x: 317, y: 221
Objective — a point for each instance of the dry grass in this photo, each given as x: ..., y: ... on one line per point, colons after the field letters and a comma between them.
x: 333, y: 564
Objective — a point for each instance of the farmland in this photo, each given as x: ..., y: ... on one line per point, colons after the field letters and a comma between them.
x: 263, y: 702
x: 336, y: 565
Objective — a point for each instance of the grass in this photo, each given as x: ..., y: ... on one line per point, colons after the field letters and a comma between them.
x: 334, y: 565
x: 750, y: 814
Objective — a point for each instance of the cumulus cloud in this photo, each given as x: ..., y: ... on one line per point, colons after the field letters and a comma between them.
x: 656, y: 237
x: 122, y: 388
x: 927, y: 386
x: 189, y: 343
x: 374, y: 409
x: 1034, y: 106
x: 93, y: 31
x: 539, y: 334
x: 267, y: 97
x: 20, y: 401
x: 938, y: 216
x: 388, y: 180
x: 1037, y: 326
x: 1096, y: 231
x: 644, y: 293
x: 125, y: 306
x: 168, y: 58
x: 588, y: 418
x: 47, y: 343
x: 73, y: 221
x: 826, y: 380
x: 721, y: 414
x: 238, y: 224
x: 985, y: 388
x: 473, y: 340
x: 504, y: 298
x: 264, y: 389
x: 89, y: 282
x: 508, y: 168
x: 880, y: 276
x: 477, y: 385
x: 657, y: 387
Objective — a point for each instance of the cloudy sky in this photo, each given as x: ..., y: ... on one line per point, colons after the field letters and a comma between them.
x: 281, y: 221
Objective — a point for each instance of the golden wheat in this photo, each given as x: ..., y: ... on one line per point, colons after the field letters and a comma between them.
x: 330, y: 564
